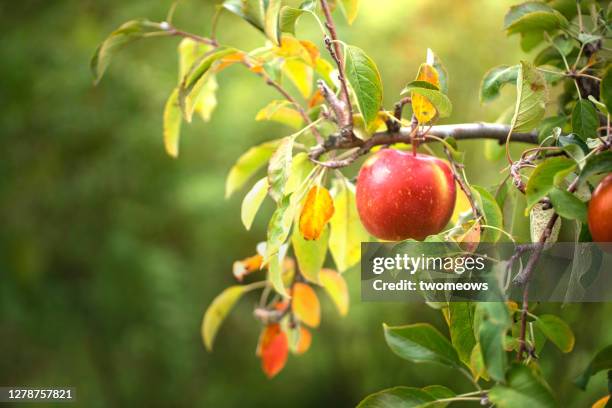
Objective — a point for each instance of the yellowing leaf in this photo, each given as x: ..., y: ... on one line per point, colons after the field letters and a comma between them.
x: 172, y: 124
x: 310, y: 254
x: 272, y: 20
x: 273, y: 349
x: 281, y: 112
x: 247, y: 266
x: 304, y: 341
x: 317, y: 210
x: 336, y: 288
x: 601, y: 403
x: 207, y: 100
x: 252, y: 201
x: 293, y: 48
x: 350, y: 8
x: 300, y: 74
x: 189, y: 51
x: 313, y: 51
x: 462, y: 204
x: 247, y: 165
x: 423, y: 109
x: 229, y: 60
x: 217, y: 311
x: 347, y: 232
x: 305, y: 305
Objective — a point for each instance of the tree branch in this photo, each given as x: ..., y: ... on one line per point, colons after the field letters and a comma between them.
x: 464, y: 131
x: 288, y: 97
x: 525, y: 276
x: 335, y: 51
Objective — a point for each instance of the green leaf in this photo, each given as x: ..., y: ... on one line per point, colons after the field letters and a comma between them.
x: 350, y: 9
x: 494, y: 323
x: 599, y: 105
x: 523, y: 389
x: 310, y: 255
x: 127, y: 33
x: 568, y: 205
x: 172, y: 124
x: 288, y: 18
x: 408, y: 397
x: 533, y: 16
x: 460, y: 324
x: 251, y: 11
x: 189, y: 51
x: 563, y: 43
x: 205, y: 102
x: 531, y: 98
x: 442, y: 103
x: 195, y: 81
x: 272, y: 21
x: 492, y: 214
x: 280, y: 167
x: 247, y: 165
x: 421, y: 343
x: 547, y: 126
x: 557, y: 331
x: 275, y: 270
x: 279, y: 226
x: 605, y: 89
x: 495, y: 79
x: 301, y: 168
x: 477, y: 365
x: 252, y: 201
x: 584, y: 119
x: 598, y: 164
x: 419, y: 84
x: 545, y: 177
x: 347, y: 232
x: 442, y: 72
x: 364, y: 78
x: 218, y: 311
x: 601, y: 361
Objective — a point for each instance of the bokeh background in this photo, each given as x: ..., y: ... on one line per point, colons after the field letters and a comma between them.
x: 110, y: 251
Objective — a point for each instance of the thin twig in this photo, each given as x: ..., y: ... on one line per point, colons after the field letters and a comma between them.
x: 333, y: 46
x: 524, y: 277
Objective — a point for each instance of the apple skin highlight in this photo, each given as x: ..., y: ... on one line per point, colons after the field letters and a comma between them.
x: 401, y: 195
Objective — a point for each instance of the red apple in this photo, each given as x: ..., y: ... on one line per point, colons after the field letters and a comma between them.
x: 401, y: 195
x: 600, y: 211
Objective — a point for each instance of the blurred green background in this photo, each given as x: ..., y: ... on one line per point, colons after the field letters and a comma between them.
x: 110, y: 251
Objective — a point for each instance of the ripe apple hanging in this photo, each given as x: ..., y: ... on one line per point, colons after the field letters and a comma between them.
x: 600, y: 211
x: 402, y: 195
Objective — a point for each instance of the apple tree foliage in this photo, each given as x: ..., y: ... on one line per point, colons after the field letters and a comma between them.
x: 333, y: 113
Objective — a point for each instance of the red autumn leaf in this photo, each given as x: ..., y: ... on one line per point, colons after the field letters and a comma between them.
x: 273, y: 350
